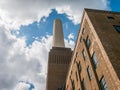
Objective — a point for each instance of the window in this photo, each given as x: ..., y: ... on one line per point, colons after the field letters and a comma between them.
x: 79, y: 67
x: 76, y: 76
x: 71, y: 72
x: 88, y: 42
x: 109, y: 17
x: 117, y: 28
x: 95, y: 60
x: 75, y: 57
x: 83, y: 85
x: 73, y: 84
x: 81, y: 39
x: 74, y: 60
x: 84, y: 54
x: 103, y: 84
x: 76, y: 54
x: 60, y: 88
x: 83, y: 31
x: 89, y: 72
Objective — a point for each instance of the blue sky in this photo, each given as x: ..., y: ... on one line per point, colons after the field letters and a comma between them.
x: 26, y: 37
x: 45, y: 26
x: 114, y: 5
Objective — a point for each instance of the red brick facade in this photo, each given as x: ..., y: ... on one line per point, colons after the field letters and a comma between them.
x: 58, y: 64
x: 96, y: 59
x: 95, y: 62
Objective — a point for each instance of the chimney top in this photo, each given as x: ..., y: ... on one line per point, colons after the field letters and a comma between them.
x: 58, y: 37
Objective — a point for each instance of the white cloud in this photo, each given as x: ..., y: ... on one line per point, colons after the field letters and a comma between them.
x: 18, y: 62
x: 69, y: 43
x: 22, y: 86
x: 21, y: 63
x: 71, y: 36
x: 14, y: 13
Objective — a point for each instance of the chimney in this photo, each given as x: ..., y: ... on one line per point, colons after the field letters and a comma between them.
x: 58, y: 37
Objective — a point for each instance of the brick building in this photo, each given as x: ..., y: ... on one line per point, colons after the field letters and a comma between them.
x: 95, y: 63
x: 59, y: 59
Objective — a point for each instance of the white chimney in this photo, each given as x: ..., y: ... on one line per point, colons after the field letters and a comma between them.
x: 58, y: 37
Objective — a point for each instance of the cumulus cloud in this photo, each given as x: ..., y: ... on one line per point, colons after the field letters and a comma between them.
x: 18, y: 62
x: 21, y: 63
x: 71, y: 36
x: 22, y: 86
x: 14, y: 13
x: 69, y: 43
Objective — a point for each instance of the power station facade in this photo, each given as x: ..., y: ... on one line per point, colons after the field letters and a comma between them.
x: 59, y: 59
x: 94, y: 64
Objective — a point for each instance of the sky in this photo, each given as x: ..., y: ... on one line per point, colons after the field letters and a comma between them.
x: 26, y: 37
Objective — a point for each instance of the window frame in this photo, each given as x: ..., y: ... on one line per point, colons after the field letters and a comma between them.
x: 103, y: 83
x: 117, y: 28
x: 83, y: 30
x: 95, y: 60
x: 73, y: 84
x: 89, y: 72
x: 110, y: 18
x: 84, y: 54
x: 88, y: 42
x: 83, y: 84
x: 81, y: 39
x: 76, y: 75
x: 79, y: 67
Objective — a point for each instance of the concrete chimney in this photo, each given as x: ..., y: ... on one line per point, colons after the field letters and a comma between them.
x: 58, y: 37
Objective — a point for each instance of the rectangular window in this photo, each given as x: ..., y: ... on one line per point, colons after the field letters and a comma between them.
x: 111, y: 18
x: 76, y: 76
x: 75, y: 60
x: 84, y: 54
x: 76, y: 54
x: 81, y: 39
x: 73, y: 85
x: 117, y: 28
x: 83, y: 31
x: 89, y: 72
x: 71, y: 72
x: 60, y: 88
x: 79, y: 67
x: 94, y: 60
x: 83, y: 85
x: 103, y: 84
x: 88, y: 42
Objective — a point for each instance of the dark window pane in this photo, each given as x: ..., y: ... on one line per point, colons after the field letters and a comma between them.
x: 95, y: 60
x: 83, y: 31
x: 73, y: 84
x: 60, y: 88
x: 84, y: 54
x: 109, y: 17
x: 89, y: 73
x: 88, y: 42
x: 83, y: 85
x: 80, y: 39
x: 76, y: 54
x: 76, y: 76
x: 117, y: 28
x: 79, y: 67
x: 103, y: 84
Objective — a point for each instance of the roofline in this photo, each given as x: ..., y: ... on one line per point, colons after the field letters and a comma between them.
x: 104, y: 11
